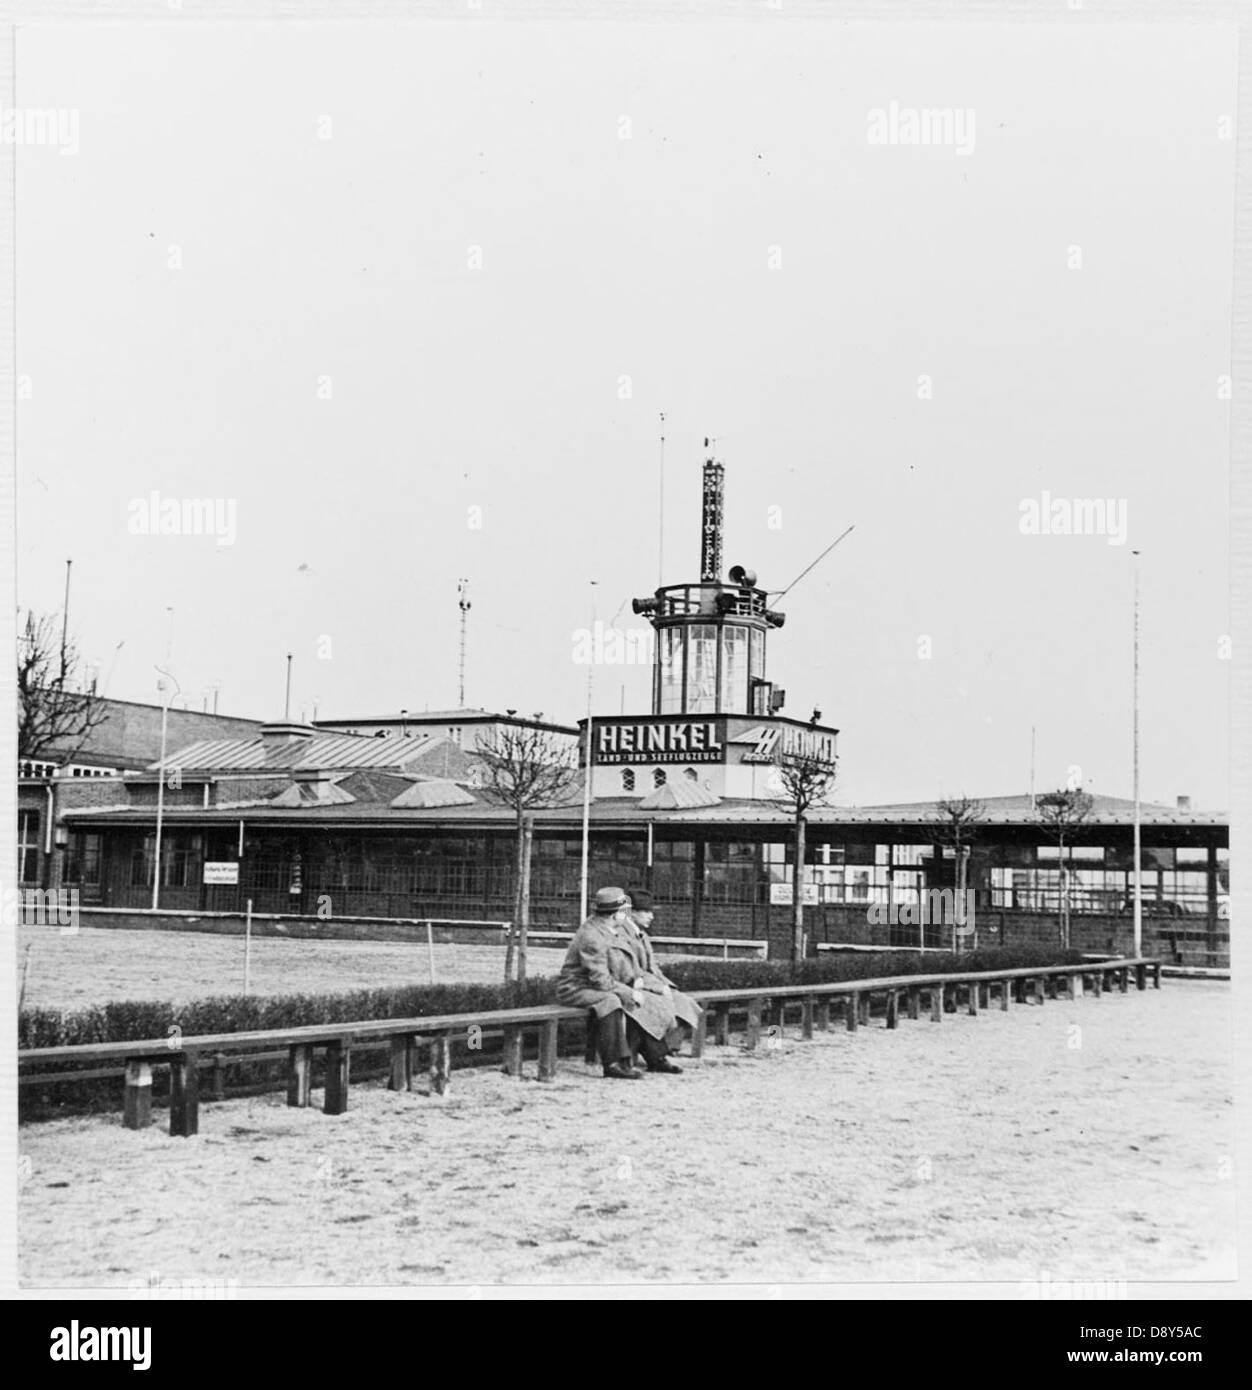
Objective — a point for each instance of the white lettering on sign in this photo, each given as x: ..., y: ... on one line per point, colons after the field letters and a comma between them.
x: 681, y: 741
x: 787, y: 743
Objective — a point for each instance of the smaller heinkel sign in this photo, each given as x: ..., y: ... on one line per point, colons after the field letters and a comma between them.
x: 680, y: 741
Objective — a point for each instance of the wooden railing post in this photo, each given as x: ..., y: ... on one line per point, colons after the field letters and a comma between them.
x: 338, y: 1069
x: 137, y: 1100
x: 400, y: 1077
x: 721, y: 1025
x: 699, y: 1034
x: 852, y: 1010
x: 1040, y: 989
x: 1123, y: 979
x: 299, y: 1074
x: 1141, y: 976
x: 1156, y: 974
x: 513, y: 1049
x: 984, y: 994
x: 973, y: 997
x: 184, y: 1094
x: 548, y: 1032
x: 893, y: 1007
x: 754, y: 1023
x: 218, y: 1088
x: 1006, y: 990
x: 915, y: 1001
x: 440, y: 1063
x: 806, y: 1018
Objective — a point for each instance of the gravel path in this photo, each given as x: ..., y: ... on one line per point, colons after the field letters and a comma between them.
x: 1083, y: 1140
x: 95, y: 965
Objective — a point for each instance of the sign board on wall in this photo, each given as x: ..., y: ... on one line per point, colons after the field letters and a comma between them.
x: 679, y: 741
x: 780, y: 895
x: 221, y: 872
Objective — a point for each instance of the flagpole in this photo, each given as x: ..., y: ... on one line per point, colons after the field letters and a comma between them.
x: 1138, y: 879
x: 586, y: 848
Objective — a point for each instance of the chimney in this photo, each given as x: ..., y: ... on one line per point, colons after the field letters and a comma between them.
x: 1184, y: 803
x: 282, y: 741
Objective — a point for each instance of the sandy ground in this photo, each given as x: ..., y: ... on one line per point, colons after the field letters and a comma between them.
x: 1083, y: 1140
x: 94, y: 965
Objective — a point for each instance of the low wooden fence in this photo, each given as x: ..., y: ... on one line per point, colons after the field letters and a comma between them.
x: 742, y: 947
x: 187, y: 1056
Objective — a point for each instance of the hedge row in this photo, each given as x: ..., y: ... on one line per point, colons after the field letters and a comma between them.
x: 129, y: 1021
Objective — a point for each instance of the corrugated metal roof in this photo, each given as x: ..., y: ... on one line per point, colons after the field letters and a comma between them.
x: 320, y: 751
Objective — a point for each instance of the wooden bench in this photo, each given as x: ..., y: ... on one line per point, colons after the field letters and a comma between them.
x: 186, y: 1055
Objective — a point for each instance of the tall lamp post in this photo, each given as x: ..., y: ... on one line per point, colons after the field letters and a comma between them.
x: 586, y: 852
x: 1138, y: 870
x: 170, y: 687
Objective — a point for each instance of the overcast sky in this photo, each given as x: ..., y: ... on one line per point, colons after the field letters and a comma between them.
x: 354, y: 281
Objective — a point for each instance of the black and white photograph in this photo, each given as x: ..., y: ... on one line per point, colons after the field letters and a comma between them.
x: 627, y: 680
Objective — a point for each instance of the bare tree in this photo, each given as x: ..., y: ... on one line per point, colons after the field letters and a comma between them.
x: 56, y: 712
x: 804, y: 781
x: 958, y: 829
x: 529, y: 770
x: 1060, y: 814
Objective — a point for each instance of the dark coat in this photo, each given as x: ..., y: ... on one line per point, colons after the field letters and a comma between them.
x: 605, y: 962
x: 591, y: 977
x: 683, y: 1006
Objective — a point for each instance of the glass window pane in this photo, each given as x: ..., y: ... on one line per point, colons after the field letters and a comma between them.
x: 734, y: 669
x: 702, y: 670
x: 671, y: 659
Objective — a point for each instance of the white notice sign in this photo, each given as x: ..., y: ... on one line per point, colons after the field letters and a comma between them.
x: 221, y: 872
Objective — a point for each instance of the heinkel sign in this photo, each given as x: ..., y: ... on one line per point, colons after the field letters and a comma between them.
x: 683, y: 741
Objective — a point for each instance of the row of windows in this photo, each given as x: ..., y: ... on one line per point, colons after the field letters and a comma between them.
x: 659, y: 777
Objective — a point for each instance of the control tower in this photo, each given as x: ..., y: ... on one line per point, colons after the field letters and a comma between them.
x: 711, y: 636
x: 714, y: 731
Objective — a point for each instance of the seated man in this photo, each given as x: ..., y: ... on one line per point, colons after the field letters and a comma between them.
x: 601, y: 968
x: 653, y: 978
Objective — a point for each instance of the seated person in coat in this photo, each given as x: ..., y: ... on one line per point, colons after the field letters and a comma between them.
x: 604, y: 970
x: 685, y: 1009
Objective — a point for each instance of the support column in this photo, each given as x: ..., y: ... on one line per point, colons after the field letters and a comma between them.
x: 338, y: 1067
x: 184, y: 1094
x: 299, y: 1074
x: 137, y: 1100
x: 548, y: 1035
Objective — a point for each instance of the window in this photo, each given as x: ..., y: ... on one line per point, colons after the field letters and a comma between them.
x: 628, y: 779
x: 28, y: 846
x: 83, y: 862
x: 691, y: 774
x: 702, y: 670
x: 734, y: 693
x: 141, y: 863
x: 671, y: 670
x: 658, y: 777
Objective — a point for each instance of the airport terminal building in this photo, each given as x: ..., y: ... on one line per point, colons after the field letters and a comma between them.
x: 390, y: 817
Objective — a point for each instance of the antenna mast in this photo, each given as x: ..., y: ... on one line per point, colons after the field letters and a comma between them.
x: 463, y: 603
x: 660, y: 522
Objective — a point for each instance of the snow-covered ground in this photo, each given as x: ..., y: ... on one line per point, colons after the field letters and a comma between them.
x: 1088, y: 1140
